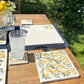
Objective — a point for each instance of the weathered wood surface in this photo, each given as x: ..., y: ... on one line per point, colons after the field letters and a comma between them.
x: 27, y: 73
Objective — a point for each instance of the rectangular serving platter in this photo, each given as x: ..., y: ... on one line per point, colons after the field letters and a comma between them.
x: 55, y: 66
x: 3, y: 65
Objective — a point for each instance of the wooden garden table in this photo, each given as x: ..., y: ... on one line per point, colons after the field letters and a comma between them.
x: 27, y: 73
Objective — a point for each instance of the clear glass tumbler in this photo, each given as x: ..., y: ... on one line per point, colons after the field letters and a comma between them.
x: 17, y: 43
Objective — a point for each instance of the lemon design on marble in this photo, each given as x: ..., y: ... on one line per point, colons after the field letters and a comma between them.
x: 61, y: 66
x: 1, y: 41
x: 56, y: 71
x: 54, y: 53
x: 48, y: 69
x: 2, y: 55
x: 64, y: 72
x: 73, y: 72
x: 46, y: 74
x: 46, y: 55
x: 55, y: 64
x: 67, y: 62
x: 43, y: 62
x: 47, y: 60
x: 65, y: 58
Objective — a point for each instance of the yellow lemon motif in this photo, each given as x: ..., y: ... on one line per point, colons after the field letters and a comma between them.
x: 50, y: 27
x: 48, y: 69
x: 65, y: 57
x: 1, y: 41
x: 73, y: 72
x: 61, y: 66
x: 47, y: 60
x: 11, y: 62
x: 55, y: 53
x: 64, y: 72
x: 56, y: 71
x: 2, y: 55
x: 61, y: 53
x: 67, y: 62
x: 46, y: 56
x: 43, y: 62
x: 12, y: 59
x: 53, y: 64
x: 57, y: 59
x: 20, y: 61
x: 46, y: 74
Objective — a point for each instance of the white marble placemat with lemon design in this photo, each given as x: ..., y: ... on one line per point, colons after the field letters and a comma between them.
x: 54, y: 66
x: 41, y: 35
x: 26, y: 22
x: 12, y: 61
x: 3, y: 65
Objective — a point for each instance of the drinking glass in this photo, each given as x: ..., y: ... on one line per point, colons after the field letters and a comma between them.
x: 17, y: 43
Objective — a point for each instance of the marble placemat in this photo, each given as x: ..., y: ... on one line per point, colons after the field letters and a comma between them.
x: 54, y: 66
x: 3, y: 65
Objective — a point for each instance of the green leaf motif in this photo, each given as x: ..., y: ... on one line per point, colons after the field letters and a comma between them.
x: 2, y: 51
x: 0, y: 79
x: 1, y: 60
x: 1, y: 70
x: 56, y: 76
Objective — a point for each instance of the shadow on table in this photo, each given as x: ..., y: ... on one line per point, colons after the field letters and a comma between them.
x: 31, y: 58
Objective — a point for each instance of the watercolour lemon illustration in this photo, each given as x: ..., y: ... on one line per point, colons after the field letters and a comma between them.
x: 48, y: 69
x: 73, y: 72
x: 53, y: 64
x: 57, y: 59
x: 65, y: 72
x: 1, y: 41
x: 61, y: 53
x: 64, y: 57
x: 49, y: 27
x: 67, y: 62
x: 2, y: 55
x: 54, y: 53
x: 46, y: 55
x: 46, y: 74
x: 56, y: 71
x: 43, y: 62
x: 61, y: 66
x: 47, y: 60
